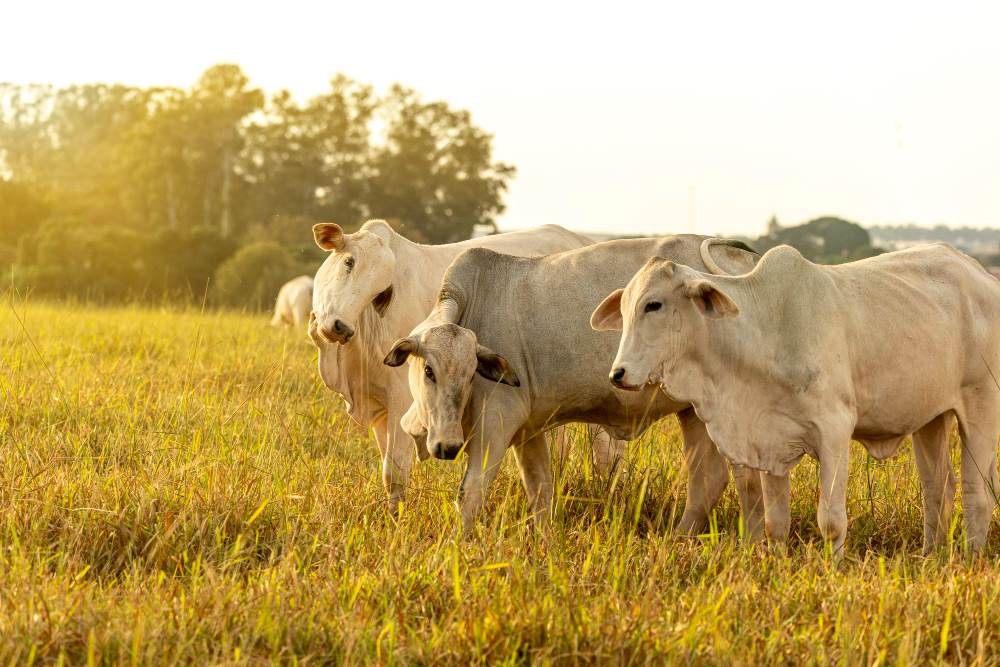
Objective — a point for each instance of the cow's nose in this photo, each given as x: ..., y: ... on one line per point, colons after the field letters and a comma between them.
x: 342, y: 330
x: 617, y: 375
x: 446, y: 450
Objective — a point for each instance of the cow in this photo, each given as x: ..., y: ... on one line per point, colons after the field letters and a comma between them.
x: 294, y: 303
x: 508, y: 352
x: 373, y: 287
x: 797, y: 359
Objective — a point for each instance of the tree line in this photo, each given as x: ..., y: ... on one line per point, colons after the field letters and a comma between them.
x: 111, y: 191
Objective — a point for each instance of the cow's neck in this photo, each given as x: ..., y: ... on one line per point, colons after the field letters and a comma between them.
x: 415, y: 281
x: 741, y: 369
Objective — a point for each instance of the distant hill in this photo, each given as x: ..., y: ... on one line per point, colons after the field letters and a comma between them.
x: 827, y: 240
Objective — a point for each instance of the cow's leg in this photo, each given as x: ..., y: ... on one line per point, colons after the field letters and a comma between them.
x: 486, y: 450
x: 608, y: 452
x: 380, y: 431
x: 534, y: 463
x: 937, y: 478
x: 777, y: 506
x: 397, y: 460
x: 708, y: 473
x: 559, y: 444
x: 748, y: 487
x: 831, y: 514
x: 979, y: 427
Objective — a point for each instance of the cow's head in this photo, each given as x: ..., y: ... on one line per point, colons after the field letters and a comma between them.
x: 662, y: 314
x: 444, y: 359
x: 358, y: 272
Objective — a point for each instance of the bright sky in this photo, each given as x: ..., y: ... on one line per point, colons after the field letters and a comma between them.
x: 620, y: 116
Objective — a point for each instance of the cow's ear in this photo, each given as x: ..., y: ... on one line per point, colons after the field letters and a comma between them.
x: 411, y: 423
x: 608, y: 315
x: 494, y: 367
x: 329, y: 236
x: 710, y: 300
x: 400, y: 352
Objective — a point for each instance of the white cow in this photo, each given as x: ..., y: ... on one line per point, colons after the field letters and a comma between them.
x: 293, y: 303
x: 373, y: 288
x: 522, y: 325
x: 795, y: 358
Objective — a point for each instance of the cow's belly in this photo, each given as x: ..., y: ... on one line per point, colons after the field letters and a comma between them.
x: 897, y: 417
x: 626, y: 415
x: 898, y: 393
x: 882, y: 448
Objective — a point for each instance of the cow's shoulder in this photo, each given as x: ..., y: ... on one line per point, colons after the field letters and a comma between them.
x: 479, y: 261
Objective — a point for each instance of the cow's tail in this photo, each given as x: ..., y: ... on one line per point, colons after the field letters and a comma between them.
x: 706, y: 254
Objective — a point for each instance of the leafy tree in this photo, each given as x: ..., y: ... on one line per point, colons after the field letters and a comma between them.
x: 21, y: 212
x: 94, y: 262
x: 312, y: 161
x: 220, y: 102
x: 435, y: 169
x: 180, y: 262
x: 115, y: 191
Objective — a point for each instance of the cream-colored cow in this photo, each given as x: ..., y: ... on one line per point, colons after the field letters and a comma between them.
x: 293, y: 303
x: 795, y: 358
x: 374, y: 287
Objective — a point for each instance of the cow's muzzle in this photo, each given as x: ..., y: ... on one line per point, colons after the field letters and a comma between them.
x: 341, y: 333
x: 447, y: 451
x: 617, y: 378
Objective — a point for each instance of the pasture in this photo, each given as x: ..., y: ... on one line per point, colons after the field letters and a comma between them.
x: 178, y: 486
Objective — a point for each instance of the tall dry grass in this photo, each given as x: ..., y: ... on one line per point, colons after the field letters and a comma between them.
x: 178, y: 487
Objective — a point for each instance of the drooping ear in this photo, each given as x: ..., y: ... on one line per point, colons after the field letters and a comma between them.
x: 400, y: 352
x: 329, y: 236
x: 711, y: 301
x: 411, y: 422
x: 608, y: 315
x: 494, y: 367
x: 381, y: 300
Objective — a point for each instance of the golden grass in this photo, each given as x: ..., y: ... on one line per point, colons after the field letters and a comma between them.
x: 178, y: 487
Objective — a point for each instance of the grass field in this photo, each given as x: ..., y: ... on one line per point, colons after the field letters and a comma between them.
x: 180, y: 487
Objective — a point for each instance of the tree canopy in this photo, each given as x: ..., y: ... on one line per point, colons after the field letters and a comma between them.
x: 226, y: 164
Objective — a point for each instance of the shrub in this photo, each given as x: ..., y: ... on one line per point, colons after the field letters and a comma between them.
x: 181, y: 262
x: 252, y: 277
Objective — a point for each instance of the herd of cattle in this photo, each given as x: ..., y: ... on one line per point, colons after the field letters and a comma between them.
x: 763, y: 359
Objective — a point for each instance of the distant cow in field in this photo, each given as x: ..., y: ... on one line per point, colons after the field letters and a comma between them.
x: 795, y: 358
x: 508, y: 352
x: 293, y: 303
x: 374, y: 287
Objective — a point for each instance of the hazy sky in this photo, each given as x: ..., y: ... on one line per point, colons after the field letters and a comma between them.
x: 619, y: 116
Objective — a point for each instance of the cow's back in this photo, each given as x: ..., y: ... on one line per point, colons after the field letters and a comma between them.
x: 536, y: 313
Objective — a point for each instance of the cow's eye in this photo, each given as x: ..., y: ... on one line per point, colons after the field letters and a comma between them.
x: 429, y: 372
x: 653, y: 306
x: 349, y: 263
